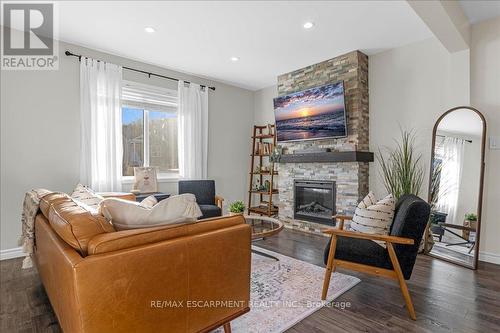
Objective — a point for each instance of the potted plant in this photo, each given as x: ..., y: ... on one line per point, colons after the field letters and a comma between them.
x: 470, y: 221
x: 236, y: 208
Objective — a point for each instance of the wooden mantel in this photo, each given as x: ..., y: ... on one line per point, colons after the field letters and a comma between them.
x: 328, y: 157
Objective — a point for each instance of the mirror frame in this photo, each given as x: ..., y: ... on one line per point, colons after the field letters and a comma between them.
x: 481, y: 185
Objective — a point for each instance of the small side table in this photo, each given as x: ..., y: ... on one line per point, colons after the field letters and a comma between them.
x: 158, y: 195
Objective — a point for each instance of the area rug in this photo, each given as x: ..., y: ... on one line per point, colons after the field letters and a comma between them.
x: 284, y: 292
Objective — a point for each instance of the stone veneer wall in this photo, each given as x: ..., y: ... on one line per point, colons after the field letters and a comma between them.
x: 351, y: 178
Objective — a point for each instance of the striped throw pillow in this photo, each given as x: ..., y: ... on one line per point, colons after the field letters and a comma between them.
x: 86, y: 196
x: 374, y: 217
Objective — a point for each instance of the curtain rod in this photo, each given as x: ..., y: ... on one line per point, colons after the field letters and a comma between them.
x: 149, y: 74
x: 444, y: 136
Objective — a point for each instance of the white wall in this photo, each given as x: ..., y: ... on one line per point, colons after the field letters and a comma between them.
x: 410, y: 87
x: 40, y: 133
x: 485, y: 96
x: 263, y: 104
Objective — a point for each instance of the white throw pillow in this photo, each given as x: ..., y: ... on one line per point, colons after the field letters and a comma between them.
x: 149, y: 202
x: 125, y: 214
x: 374, y: 217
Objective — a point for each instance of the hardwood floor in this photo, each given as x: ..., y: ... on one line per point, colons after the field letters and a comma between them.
x: 447, y: 298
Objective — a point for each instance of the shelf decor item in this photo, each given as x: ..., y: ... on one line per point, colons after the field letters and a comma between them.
x: 262, y: 171
x: 145, y: 180
x: 276, y: 154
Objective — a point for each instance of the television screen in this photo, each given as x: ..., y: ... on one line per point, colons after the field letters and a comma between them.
x: 315, y: 113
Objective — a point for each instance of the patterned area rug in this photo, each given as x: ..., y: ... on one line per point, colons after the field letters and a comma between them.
x: 284, y: 292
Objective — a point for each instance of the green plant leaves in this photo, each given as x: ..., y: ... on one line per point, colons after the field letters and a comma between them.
x: 237, y: 207
x: 401, y: 169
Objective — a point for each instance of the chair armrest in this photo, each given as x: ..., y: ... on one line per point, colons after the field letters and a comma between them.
x: 384, y: 238
x: 219, y: 201
x: 342, y: 219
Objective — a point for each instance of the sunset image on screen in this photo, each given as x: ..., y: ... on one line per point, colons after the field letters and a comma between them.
x: 310, y: 114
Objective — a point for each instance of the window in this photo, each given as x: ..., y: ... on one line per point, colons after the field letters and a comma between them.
x: 149, y: 129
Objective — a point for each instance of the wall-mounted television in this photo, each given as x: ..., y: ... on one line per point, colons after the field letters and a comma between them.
x: 315, y: 113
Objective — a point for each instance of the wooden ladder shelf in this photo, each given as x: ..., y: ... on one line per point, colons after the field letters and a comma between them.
x: 262, y: 170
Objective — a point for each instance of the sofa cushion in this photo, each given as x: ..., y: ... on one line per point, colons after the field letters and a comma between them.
x: 126, y: 214
x: 210, y: 211
x: 72, y: 222
x: 125, y: 239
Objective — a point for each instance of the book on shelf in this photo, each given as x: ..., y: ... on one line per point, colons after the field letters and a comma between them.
x: 264, y: 148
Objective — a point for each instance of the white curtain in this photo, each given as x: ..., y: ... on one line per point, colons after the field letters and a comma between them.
x: 192, y: 122
x: 451, y: 153
x: 101, y: 135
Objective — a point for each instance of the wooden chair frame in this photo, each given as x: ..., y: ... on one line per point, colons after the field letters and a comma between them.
x: 394, y: 274
x: 219, y: 201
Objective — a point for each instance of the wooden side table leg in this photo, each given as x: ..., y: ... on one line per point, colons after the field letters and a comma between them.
x: 227, y: 327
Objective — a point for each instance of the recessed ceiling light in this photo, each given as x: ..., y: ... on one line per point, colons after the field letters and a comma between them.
x: 308, y: 25
x: 149, y: 29
x: 234, y: 59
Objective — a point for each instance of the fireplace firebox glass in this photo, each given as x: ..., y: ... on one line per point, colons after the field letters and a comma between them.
x: 314, y: 200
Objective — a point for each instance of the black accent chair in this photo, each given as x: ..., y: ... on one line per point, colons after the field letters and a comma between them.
x: 204, y: 191
x: 357, y: 251
x: 437, y: 219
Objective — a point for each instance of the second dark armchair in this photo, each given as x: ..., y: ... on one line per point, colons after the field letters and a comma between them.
x: 204, y: 191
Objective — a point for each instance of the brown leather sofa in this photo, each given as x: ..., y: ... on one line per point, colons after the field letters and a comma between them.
x: 178, y: 278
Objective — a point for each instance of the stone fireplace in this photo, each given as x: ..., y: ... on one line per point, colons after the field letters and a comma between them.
x: 349, y: 176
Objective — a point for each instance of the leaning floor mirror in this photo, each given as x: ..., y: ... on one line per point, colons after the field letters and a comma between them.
x: 456, y: 186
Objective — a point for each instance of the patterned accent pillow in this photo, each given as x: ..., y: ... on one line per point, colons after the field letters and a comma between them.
x: 374, y: 217
x: 87, y: 197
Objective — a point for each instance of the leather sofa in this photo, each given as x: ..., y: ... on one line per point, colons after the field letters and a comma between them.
x: 191, y: 277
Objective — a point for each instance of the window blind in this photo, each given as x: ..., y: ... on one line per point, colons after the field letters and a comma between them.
x: 149, y: 97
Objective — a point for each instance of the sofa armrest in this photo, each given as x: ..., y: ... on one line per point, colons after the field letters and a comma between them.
x: 361, y: 235
x: 118, y: 195
x: 219, y: 201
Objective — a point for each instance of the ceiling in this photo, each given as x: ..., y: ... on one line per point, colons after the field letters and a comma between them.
x: 268, y: 37
x: 462, y: 122
x: 480, y: 10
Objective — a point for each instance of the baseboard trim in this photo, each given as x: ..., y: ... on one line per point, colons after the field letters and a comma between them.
x: 11, y: 253
x: 489, y: 257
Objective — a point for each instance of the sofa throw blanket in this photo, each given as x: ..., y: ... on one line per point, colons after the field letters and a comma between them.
x: 31, y: 205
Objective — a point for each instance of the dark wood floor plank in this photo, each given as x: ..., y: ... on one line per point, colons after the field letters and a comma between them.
x: 447, y: 298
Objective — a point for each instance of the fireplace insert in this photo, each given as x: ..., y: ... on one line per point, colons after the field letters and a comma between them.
x: 314, y: 200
